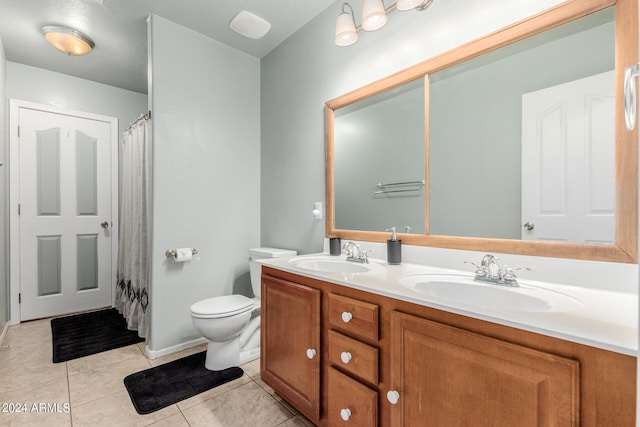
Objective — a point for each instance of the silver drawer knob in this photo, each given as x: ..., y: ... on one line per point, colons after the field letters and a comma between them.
x: 311, y: 353
x: 345, y: 356
x: 393, y: 397
x: 345, y: 414
x: 346, y: 316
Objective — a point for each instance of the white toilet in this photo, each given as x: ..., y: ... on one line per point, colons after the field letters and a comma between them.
x: 231, y: 323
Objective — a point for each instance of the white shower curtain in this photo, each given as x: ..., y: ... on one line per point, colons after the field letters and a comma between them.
x: 132, y: 296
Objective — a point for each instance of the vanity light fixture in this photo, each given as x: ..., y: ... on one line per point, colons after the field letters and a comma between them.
x: 346, y: 33
x: 374, y: 17
x: 68, y: 41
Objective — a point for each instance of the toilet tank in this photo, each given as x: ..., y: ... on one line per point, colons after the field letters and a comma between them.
x: 256, y: 268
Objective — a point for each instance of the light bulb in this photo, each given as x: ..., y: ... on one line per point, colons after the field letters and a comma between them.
x: 403, y: 5
x: 374, y: 16
x: 346, y: 34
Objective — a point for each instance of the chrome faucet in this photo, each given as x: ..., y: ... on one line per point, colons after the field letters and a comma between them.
x: 490, y: 271
x: 354, y: 253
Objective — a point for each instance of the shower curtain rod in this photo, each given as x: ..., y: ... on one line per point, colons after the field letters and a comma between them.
x: 145, y: 116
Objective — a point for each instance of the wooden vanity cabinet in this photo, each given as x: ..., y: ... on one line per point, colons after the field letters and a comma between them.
x: 447, y: 376
x: 290, y: 343
x: 445, y: 369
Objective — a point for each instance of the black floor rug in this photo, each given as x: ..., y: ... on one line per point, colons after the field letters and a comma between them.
x: 164, y: 385
x: 90, y: 333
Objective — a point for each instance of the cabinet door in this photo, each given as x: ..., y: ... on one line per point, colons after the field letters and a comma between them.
x: 445, y: 376
x: 290, y: 343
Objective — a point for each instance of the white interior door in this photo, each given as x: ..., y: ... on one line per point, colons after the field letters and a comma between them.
x: 65, y: 209
x: 568, y: 162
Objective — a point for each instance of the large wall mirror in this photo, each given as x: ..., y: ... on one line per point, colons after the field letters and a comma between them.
x: 513, y: 143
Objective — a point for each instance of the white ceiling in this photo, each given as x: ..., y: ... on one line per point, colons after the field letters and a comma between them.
x: 119, y: 30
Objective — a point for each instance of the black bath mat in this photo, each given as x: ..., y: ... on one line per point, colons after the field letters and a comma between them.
x: 164, y: 385
x: 90, y: 333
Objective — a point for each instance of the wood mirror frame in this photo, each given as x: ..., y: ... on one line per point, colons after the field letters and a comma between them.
x: 626, y: 145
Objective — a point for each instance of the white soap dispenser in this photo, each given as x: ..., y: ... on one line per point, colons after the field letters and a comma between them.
x: 394, y: 248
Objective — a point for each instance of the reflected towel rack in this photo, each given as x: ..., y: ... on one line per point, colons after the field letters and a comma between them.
x: 399, y: 187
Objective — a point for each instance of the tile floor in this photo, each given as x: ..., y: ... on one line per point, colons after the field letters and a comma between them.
x: 90, y: 392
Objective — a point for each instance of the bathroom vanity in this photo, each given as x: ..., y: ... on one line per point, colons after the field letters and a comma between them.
x: 412, y: 345
x: 358, y: 348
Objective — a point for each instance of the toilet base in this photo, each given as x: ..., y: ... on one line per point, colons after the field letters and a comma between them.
x: 249, y: 355
x: 222, y: 355
x: 242, y: 348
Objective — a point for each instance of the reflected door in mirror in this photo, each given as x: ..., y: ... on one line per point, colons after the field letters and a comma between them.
x: 569, y: 201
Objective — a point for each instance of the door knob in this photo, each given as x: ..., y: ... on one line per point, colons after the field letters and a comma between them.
x: 393, y: 396
x: 529, y: 226
x: 104, y: 224
x: 311, y: 353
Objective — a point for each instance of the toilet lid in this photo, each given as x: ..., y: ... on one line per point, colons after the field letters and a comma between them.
x: 227, y: 304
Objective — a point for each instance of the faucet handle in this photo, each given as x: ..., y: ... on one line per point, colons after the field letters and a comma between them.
x: 362, y: 255
x: 510, y: 276
x: 509, y: 273
x: 480, y: 270
x: 513, y: 270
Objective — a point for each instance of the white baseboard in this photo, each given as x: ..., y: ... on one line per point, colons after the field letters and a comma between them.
x: 154, y: 354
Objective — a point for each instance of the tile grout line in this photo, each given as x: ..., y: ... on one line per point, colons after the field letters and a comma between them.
x: 66, y: 366
x: 285, y: 407
x: 183, y: 416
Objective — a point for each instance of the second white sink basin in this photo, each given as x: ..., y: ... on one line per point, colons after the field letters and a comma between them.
x: 464, y: 290
x: 326, y: 265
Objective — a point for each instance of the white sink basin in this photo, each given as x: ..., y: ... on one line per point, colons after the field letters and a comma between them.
x: 326, y: 265
x: 466, y: 291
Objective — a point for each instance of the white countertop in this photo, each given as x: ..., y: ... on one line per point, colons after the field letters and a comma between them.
x: 603, y: 319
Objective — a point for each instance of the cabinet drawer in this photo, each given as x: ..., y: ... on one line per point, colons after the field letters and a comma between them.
x: 353, y: 316
x: 354, y: 356
x: 350, y: 403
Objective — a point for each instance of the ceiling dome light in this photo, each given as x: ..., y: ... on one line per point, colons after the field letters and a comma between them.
x: 249, y: 25
x: 67, y: 40
x: 374, y: 16
x: 346, y: 33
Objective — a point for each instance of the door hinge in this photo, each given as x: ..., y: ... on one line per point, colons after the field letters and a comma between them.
x: 20, y: 298
x: 18, y: 131
x: 18, y: 209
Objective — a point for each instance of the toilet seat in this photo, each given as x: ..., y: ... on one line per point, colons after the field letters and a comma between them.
x: 224, y: 306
